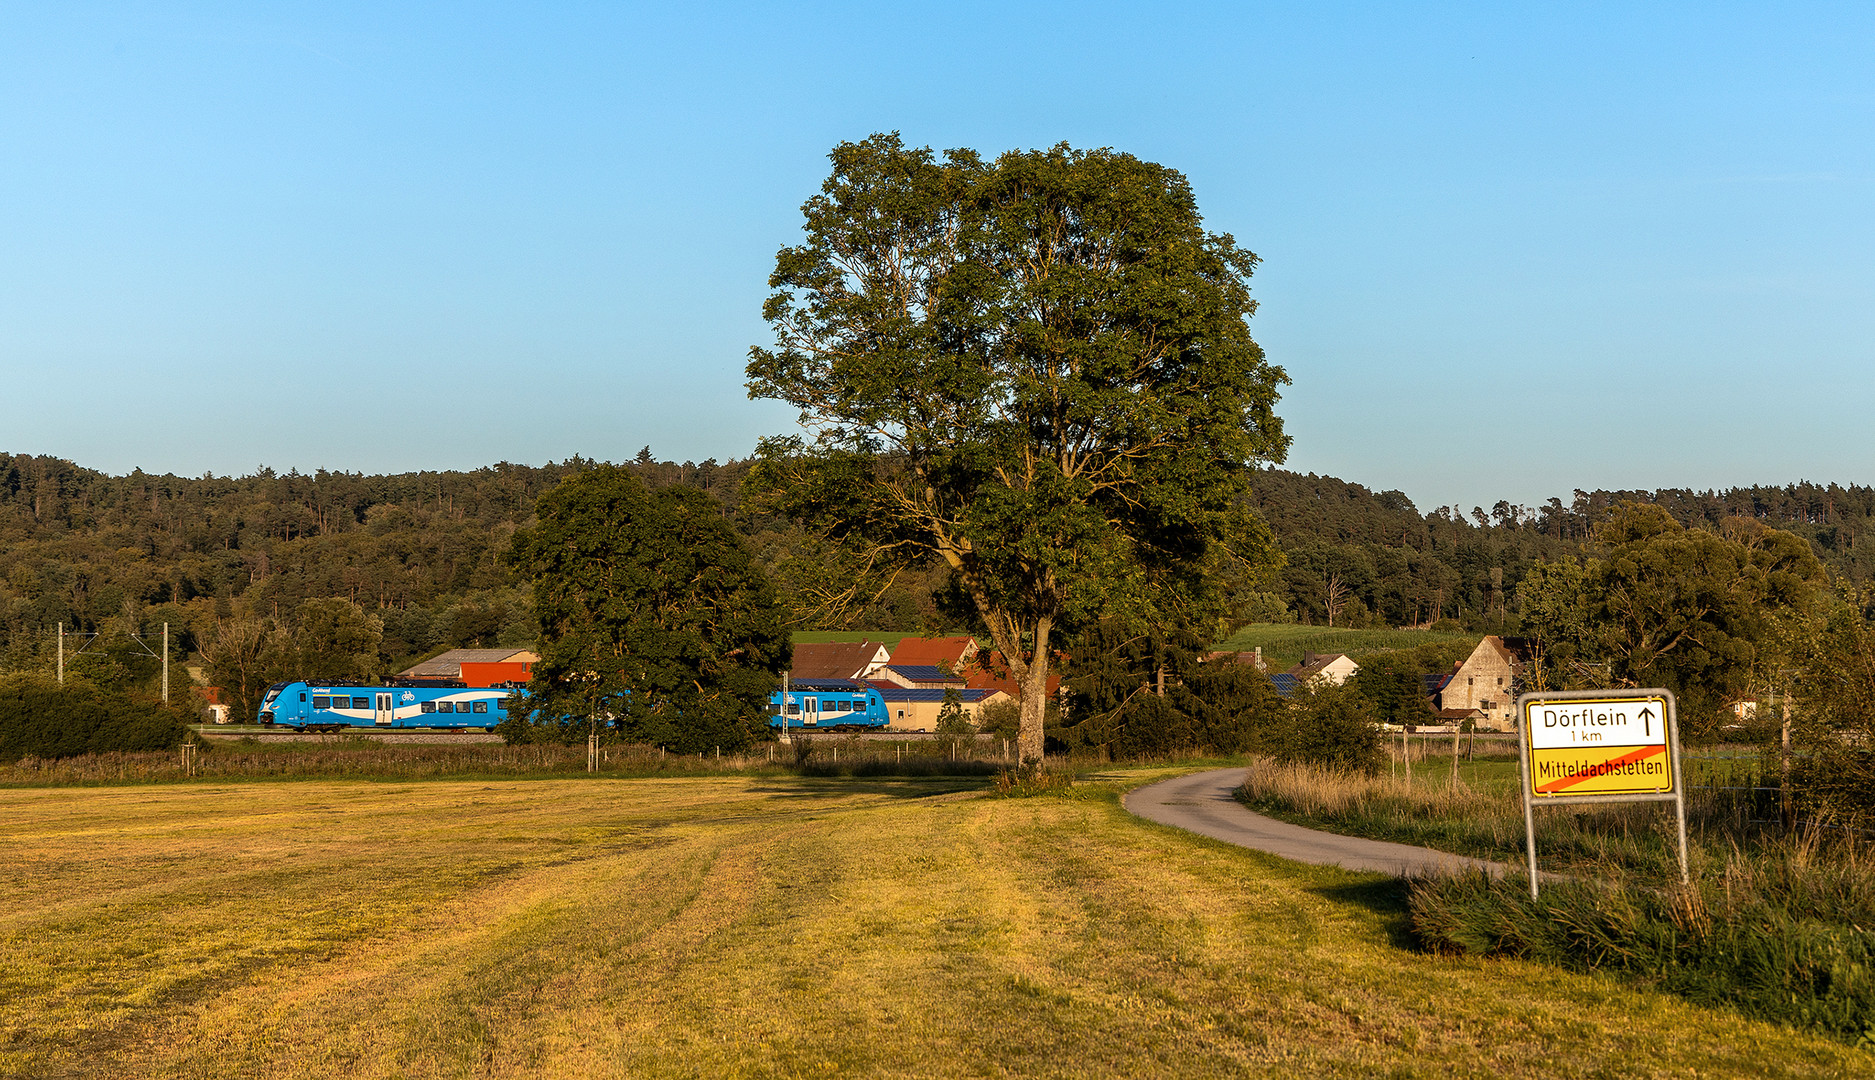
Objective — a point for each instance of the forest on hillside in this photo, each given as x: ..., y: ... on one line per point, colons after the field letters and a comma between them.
x: 363, y: 575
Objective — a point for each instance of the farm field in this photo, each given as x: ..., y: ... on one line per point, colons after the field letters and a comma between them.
x: 754, y: 926
x: 1284, y: 643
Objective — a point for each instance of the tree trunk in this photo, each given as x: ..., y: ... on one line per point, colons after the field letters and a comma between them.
x: 1033, y: 683
x: 1034, y: 691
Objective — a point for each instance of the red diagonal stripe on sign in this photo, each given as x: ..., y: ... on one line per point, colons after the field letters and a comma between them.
x: 1642, y: 754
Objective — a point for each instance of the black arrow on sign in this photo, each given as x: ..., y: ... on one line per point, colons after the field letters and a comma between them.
x: 1647, y: 716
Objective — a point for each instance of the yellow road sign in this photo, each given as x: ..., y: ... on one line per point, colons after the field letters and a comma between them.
x: 1601, y: 770
x: 1606, y: 743
x: 1581, y: 747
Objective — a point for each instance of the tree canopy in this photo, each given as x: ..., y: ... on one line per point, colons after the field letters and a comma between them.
x: 1665, y: 605
x: 654, y: 621
x: 1035, y: 370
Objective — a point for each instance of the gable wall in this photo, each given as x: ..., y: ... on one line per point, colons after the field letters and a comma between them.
x: 1484, y: 682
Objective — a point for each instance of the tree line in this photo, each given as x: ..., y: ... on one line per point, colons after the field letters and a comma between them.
x: 418, y: 559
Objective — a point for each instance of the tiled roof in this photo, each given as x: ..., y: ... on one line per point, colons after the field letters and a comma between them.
x: 944, y: 650
x: 834, y: 659
x: 1248, y: 659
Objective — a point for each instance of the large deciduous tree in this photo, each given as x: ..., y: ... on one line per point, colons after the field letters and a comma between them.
x: 654, y: 622
x: 1035, y: 370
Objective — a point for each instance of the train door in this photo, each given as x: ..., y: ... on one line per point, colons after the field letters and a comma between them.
x: 385, y: 713
x: 810, y: 710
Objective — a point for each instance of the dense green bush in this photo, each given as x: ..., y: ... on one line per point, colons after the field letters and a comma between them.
x: 1333, y: 726
x: 1836, y: 783
x: 1115, y: 701
x: 1003, y: 718
x: 42, y: 718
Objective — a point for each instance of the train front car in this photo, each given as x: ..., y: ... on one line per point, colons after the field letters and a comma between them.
x: 332, y: 707
x: 284, y: 704
x: 828, y: 705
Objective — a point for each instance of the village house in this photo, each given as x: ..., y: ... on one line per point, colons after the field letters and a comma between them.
x: 915, y: 709
x: 1327, y: 669
x: 475, y: 667
x: 1482, y: 687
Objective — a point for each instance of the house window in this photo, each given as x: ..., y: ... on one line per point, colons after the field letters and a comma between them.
x: 1469, y: 680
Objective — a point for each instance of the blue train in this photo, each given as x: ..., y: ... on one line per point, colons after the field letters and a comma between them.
x: 337, y: 706
x: 829, y: 705
x: 812, y: 705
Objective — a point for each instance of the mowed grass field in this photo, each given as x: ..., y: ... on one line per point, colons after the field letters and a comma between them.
x: 740, y: 926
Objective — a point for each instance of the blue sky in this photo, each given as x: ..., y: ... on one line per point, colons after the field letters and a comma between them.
x: 1509, y: 251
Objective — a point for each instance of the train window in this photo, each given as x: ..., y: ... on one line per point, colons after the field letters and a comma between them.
x: 429, y: 706
x: 302, y: 697
x: 462, y: 706
x: 794, y: 708
x: 361, y: 703
x: 319, y: 702
x: 481, y: 706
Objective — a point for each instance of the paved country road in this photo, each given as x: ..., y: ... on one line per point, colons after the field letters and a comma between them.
x: 1203, y: 803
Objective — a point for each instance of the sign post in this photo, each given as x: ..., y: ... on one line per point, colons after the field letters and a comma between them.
x: 1599, y: 746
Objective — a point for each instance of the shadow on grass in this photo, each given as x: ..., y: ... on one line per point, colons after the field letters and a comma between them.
x: 1386, y: 898
x: 920, y: 787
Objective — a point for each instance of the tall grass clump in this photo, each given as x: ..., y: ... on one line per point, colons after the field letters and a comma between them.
x: 1785, y: 932
x: 1031, y: 780
x: 1457, y: 818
